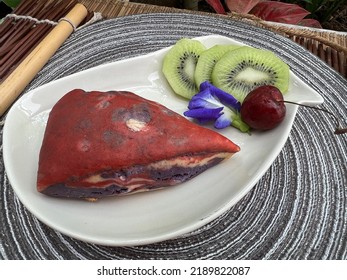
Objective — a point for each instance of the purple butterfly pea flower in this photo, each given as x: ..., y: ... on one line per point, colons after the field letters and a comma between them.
x: 213, y: 104
x: 220, y: 95
x: 203, y: 114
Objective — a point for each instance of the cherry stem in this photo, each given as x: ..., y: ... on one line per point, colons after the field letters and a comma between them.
x: 338, y: 129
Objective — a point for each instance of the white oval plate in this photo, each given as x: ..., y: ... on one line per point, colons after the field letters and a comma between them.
x: 146, y: 217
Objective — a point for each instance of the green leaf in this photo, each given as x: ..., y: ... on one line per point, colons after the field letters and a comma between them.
x: 315, y: 5
x: 12, y: 3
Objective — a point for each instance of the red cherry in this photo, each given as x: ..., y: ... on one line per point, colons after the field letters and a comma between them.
x: 263, y: 108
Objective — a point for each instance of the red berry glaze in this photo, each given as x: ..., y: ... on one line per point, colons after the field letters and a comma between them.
x: 263, y: 108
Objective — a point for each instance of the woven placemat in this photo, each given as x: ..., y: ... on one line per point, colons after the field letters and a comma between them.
x: 296, y: 211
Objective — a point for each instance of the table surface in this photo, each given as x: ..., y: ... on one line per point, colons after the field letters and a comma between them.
x: 296, y: 211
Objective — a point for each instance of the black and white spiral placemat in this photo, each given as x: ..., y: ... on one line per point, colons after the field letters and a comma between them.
x: 298, y: 210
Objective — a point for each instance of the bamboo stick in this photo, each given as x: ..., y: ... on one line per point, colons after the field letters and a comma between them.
x: 16, y: 82
x: 18, y: 37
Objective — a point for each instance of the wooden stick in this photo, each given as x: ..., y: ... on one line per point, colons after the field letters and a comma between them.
x: 16, y: 82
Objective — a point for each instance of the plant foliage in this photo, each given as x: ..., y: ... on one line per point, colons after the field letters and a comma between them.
x: 11, y: 3
x: 305, y: 12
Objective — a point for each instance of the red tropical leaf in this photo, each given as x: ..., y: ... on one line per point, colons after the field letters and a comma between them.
x: 217, y: 6
x: 309, y: 22
x: 241, y: 6
x: 279, y: 12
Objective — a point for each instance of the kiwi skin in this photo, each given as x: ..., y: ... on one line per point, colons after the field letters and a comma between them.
x: 179, y: 66
x: 208, y: 60
x: 240, y: 71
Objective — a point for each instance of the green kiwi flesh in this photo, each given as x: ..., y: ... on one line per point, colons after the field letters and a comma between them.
x: 240, y: 71
x: 208, y: 60
x: 179, y: 66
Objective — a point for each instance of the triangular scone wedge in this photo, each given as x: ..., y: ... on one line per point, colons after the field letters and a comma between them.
x: 99, y: 144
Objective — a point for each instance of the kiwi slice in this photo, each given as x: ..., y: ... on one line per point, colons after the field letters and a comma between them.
x: 179, y: 66
x: 240, y: 71
x: 208, y: 60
